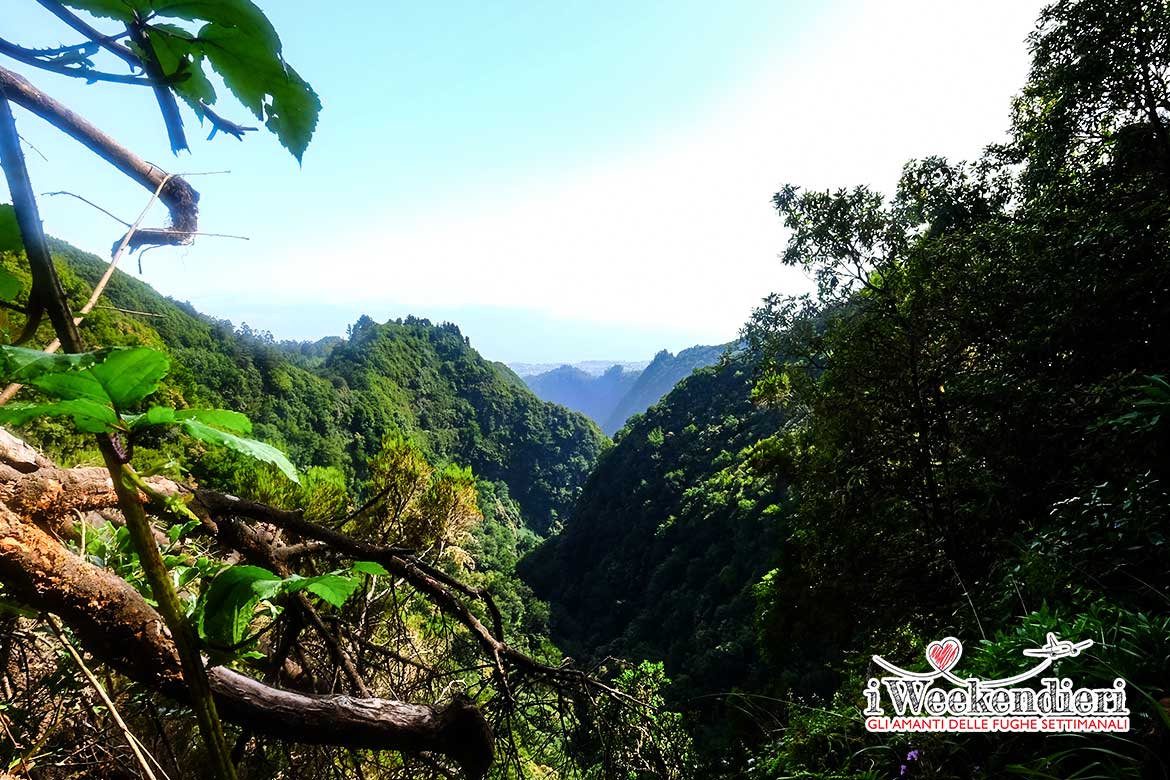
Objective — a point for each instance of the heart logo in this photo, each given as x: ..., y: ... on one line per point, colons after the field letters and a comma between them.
x: 944, y: 653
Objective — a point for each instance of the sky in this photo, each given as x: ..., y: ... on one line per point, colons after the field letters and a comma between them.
x: 566, y: 181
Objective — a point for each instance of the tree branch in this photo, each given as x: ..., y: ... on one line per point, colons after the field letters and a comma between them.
x: 30, y: 57
x: 107, y: 42
x: 180, y: 198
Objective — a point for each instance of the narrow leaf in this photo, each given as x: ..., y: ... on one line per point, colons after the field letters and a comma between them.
x: 89, y: 416
x: 255, y: 449
x: 220, y: 418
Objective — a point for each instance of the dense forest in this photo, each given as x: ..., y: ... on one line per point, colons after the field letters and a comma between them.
x: 963, y: 432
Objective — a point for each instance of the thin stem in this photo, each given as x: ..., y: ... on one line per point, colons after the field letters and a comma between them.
x: 29, y: 57
x: 126, y: 485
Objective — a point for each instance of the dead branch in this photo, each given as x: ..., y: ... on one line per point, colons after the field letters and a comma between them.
x: 180, y: 198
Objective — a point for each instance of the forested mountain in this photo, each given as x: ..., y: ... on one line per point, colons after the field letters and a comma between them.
x: 674, y: 530
x: 611, y: 397
x: 331, y: 403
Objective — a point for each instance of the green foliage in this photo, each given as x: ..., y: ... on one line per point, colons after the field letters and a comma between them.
x: 649, y: 745
x: 675, y: 526
x: 969, y: 414
x: 415, y: 505
x: 227, y: 608
x: 93, y: 389
x: 241, y: 46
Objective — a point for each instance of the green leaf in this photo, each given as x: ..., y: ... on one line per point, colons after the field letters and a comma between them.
x: 334, y: 588
x: 116, y: 377
x: 226, y: 609
x: 71, y: 385
x: 122, y: 10
x: 241, y: 14
x: 10, y: 286
x: 225, y: 612
x: 255, y: 449
x: 129, y: 375
x: 370, y: 567
x: 180, y: 57
x: 18, y: 364
x: 89, y: 416
x: 156, y: 415
x: 220, y: 418
x: 10, y: 238
x: 240, y: 44
x: 264, y: 83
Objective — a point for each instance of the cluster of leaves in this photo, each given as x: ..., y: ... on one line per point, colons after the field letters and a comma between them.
x: 96, y: 390
x: 179, y: 39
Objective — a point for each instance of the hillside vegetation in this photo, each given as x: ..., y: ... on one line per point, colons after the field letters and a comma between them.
x: 330, y: 404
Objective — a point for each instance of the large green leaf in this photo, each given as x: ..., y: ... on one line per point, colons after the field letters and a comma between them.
x: 129, y: 375
x: 118, y: 376
x: 255, y: 449
x: 241, y: 14
x: 240, y: 43
x: 10, y: 239
x: 71, y: 384
x: 156, y: 415
x: 333, y: 588
x: 180, y: 56
x: 18, y: 364
x: 122, y: 10
x: 89, y: 416
x: 226, y: 610
x: 10, y: 286
x: 370, y: 567
x: 264, y: 83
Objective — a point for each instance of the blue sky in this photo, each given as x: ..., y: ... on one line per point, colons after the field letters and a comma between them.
x: 567, y: 181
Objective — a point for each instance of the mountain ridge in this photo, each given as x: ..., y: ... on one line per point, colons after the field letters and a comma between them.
x: 611, y: 397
